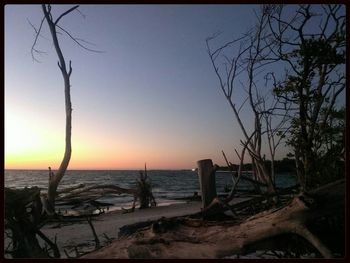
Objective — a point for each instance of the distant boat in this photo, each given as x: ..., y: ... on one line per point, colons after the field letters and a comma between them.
x: 194, y: 169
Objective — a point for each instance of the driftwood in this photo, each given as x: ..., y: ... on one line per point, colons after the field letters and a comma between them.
x: 206, y: 174
x: 97, y: 241
x: 26, y: 213
x: 87, y: 195
x: 69, y: 189
x: 23, y: 217
x: 195, y: 238
x: 27, y: 210
x: 144, y: 191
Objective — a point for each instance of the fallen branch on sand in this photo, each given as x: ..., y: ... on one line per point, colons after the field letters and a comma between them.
x: 185, y: 238
x: 87, y: 195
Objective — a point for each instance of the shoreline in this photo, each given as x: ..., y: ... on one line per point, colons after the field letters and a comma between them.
x: 79, y: 234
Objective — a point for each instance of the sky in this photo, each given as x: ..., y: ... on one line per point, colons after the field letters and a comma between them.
x: 150, y: 97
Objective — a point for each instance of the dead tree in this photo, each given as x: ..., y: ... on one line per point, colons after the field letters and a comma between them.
x: 27, y: 210
x: 66, y: 71
x: 144, y: 191
x: 54, y: 180
x: 249, y: 59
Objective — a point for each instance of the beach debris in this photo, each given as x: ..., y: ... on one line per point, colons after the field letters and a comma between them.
x: 108, y: 239
x: 87, y: 197
x: 23, y: 220
x: 257, y: 233
x: 82, y: 196
x: 195, y: 197
x: 97, y: 241
x: 163, y: 224
x: 144, y: 191
x: 128, y: 230
x: 27, y: 210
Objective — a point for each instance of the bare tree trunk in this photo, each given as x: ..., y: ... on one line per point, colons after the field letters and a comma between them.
x: 54, y: 180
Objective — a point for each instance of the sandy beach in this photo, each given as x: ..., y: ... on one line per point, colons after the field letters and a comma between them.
x: 79, y: 234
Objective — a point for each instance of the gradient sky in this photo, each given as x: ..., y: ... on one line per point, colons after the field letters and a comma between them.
x: 152, y: 96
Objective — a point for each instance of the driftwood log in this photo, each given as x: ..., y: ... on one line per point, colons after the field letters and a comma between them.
x: 87, y: 195
x: 196, y: 238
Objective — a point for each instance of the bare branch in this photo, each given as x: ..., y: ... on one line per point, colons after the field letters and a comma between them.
x: 84, y: 16
x: 76, y: 41
x: 33, y: 49
x: 65, y: 13
x: 229, y: 166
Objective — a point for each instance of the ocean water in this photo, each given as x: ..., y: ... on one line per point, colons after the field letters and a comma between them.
x: 168, y: 186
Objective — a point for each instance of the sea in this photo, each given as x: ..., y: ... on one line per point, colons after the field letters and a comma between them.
x: 168, y: 186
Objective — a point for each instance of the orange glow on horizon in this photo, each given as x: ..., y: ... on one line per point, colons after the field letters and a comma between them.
x: 91, y: 163
x: 36, y: 143
x: 98, y: 156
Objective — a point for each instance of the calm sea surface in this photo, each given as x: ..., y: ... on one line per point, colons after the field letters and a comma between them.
x: 167, y: 185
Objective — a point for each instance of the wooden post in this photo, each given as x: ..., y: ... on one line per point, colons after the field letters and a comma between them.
x: 206, y: 181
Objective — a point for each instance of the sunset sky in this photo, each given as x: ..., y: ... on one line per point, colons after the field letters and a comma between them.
x: 151, y: 96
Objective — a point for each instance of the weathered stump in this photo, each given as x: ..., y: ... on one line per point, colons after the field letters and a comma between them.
x: 207, y: 183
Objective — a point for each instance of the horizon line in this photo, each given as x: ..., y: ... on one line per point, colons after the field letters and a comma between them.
x: 103, y: 169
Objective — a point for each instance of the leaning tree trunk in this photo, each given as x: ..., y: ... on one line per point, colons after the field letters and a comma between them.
x: 54, y: 180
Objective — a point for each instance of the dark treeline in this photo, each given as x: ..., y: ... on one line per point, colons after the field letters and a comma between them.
x: 286, y: 165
